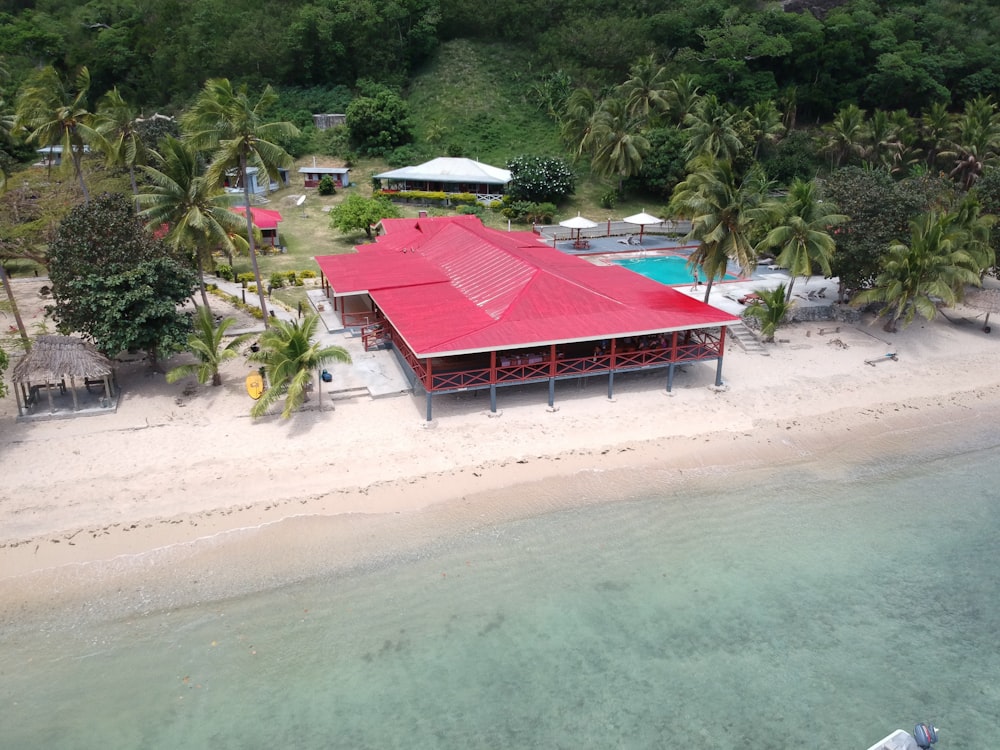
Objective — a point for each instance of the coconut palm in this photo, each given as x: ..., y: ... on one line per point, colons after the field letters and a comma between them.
x: 226, y: 122
x: 120, y: 140
x: 976, y: 141
x: 771, y: 310
x: 933, y: 268
x: 802, y: 232
x: 844, y: 135
x: 616, y: 142
x: 290, y: 357
x: 193, y: 207
x: 711, y: 128
x: 725, y: 210
x: 645, y: 92
x: 208, y: 343
x: 876, y: 136
x: 682, y: 96
x: 763, y: 124
x: 935, y: 126
x: 576, y: 119
x: 53, y: 114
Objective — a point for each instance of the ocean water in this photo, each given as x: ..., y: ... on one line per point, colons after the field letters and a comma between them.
x: 820, y: 604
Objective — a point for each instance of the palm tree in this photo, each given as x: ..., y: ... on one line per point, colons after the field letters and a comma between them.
x: 225, y: 121
x: 577, y: 117
x: 645, y: 92
x: 712, y: 129
x: 976, y: 142
x: 207, y: 343
x: 724, y: 211
x: 844, y: 134
x: 53, y: 114
x: 682, y: 96
x: 193, y: 207
x: 935, y: 126
x: 616, y: 142
x: 290, y: 357
x: 802, y: 232
x: 763, y: 123
x: 120, y: 140
x: 876, y: 136
x: 935, y: 267
x: 771, y: 310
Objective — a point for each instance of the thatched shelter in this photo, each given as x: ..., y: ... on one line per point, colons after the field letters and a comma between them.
x: 59, y: 367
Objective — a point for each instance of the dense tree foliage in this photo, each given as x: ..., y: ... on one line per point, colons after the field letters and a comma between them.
x: 357, y: 213
x: 904, y: 54
x: 113, y: 281
x: 879, y: 210
x: 378, y: 122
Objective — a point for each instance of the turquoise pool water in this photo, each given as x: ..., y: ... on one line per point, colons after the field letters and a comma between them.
x: 671, y: 270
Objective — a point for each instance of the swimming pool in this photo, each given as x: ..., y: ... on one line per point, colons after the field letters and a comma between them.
x: 671, y: 270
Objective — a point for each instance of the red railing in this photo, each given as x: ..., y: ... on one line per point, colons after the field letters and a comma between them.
x: 525, y: 368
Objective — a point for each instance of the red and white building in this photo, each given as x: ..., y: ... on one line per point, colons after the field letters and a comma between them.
x: 467, y: 307
x: 266, y: 220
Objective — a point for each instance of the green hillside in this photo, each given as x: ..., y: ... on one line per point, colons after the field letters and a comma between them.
x: 468, y: 102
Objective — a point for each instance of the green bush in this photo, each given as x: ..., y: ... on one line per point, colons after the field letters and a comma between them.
x: 308, y: 274
x: 277, y: 280
x: 245, y: 278
x: 252, y: 288
x: 326, y: 186
x: 224, y: 272
x: 609, y: 199
x: 290, y: 275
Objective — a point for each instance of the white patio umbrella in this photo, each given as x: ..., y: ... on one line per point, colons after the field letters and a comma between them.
x: 579, y: 223
x: 642, y: 219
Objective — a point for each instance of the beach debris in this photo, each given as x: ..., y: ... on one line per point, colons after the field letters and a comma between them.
x: 838, y: 343
x: 825, y: 331
x: 883, y: 358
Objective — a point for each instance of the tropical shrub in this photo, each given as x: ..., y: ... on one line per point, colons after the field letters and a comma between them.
x: 770, y: 311
x: 326, y: 186
x: 540, y: 179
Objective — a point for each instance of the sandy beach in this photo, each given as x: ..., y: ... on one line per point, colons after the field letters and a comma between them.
x: 175, y: 464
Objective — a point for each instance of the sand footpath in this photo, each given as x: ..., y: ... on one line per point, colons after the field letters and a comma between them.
x: 174, y: 464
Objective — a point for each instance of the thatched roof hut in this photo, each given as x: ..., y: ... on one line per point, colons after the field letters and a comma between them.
x: 55, y: 362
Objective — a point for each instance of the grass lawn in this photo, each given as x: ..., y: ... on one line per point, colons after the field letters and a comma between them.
x: 306, y: 229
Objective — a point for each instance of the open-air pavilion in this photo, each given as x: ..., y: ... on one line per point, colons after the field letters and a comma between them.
x: 466, y: 307
x: 63, y: 376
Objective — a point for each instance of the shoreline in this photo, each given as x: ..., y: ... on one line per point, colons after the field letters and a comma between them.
x: 162, y: 565
x: 175, y: 470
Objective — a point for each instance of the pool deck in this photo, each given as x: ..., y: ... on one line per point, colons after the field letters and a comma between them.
x: 814, y: 291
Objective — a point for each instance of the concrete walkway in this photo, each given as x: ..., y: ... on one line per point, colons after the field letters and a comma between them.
x: 371, y: 374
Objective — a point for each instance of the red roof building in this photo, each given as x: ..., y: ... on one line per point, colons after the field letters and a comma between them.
x: 470, y: 307
x: 265, y: 219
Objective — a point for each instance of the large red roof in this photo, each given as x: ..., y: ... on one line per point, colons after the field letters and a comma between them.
x: 449, y: 286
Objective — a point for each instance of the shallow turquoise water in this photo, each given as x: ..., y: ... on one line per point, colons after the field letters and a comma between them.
x: 671, y: 270
x: 823, y: 605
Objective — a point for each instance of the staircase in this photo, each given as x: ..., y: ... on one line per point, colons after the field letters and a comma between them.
x: 747, y: 339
